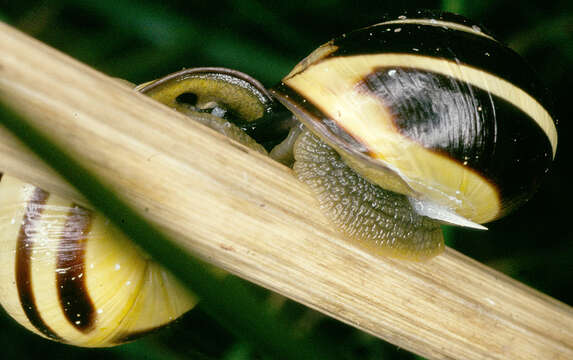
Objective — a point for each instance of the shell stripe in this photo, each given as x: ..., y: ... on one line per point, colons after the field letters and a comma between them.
x: 23, y: 265
x: 475, y: 30
x: 459, y: 47
x: 74, y: 298
x: 503, y: 151
x: 364, y: 65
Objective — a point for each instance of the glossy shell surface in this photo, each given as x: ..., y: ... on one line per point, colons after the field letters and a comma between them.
x: 432, y: 107
x: 68, y: 275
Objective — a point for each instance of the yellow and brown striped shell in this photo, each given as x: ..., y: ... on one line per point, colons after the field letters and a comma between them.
x: 68, y: 275
x: 432, y: 107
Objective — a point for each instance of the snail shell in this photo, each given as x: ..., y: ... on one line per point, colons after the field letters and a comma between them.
x: 70, y: 276
x: 431, y: 107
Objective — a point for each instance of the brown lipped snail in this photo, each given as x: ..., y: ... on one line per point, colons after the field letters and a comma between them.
x: 404, y: 125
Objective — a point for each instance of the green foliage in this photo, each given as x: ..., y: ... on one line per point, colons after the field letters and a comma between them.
x: 140, y: 41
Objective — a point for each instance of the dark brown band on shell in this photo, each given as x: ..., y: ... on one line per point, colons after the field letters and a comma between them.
x: 467, y: 124
x: 23, y: 270
x: 461, y: 47
x: 74, y: 297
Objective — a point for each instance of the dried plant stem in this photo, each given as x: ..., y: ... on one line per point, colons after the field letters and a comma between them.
x: 247, y: 214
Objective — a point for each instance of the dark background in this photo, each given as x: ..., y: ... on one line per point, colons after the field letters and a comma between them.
x: 140, y: 41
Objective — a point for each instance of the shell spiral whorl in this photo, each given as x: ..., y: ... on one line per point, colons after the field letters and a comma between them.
x: 68, y: 275
x: 446, y: 113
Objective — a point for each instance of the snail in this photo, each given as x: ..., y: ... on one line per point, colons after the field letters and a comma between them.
x: 397, y: 128
x: 67, y: 274
x: 414, y: 122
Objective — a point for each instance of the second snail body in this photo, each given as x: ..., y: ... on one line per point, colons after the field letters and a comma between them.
x: 404, y: 125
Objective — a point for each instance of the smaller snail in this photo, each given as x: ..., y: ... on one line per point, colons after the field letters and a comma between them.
x: 414, y: 122
x: 68, y: 275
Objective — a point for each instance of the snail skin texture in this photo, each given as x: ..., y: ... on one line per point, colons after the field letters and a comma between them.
x: 68, y: 275
x: 430, y: 107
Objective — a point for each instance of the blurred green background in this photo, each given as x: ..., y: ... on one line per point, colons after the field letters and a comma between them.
x: 140, y: 41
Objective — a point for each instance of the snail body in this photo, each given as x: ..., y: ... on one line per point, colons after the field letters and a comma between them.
x: 429, y: 107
